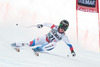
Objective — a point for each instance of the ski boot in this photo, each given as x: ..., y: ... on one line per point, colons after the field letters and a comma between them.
x: 36, y: 50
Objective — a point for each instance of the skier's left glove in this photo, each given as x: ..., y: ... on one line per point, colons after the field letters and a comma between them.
x: 39, y: 26
x: 73, y: 53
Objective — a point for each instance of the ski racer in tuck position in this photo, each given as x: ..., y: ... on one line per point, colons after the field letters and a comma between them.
x: 48, y: 41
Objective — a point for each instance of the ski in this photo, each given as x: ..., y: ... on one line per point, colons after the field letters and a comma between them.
x: 17, y: 49
x: 14, y: 47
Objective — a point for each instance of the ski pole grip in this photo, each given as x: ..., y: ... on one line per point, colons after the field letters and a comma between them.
x: 39, y: 26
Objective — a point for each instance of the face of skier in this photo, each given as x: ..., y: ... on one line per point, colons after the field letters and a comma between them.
x: 61, y: 30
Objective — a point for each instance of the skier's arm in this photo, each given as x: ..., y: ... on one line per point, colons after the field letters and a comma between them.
x: 46, y: 24
x: 66, y: 40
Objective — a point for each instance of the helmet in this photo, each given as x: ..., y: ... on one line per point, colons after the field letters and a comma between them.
x: 64, y: 25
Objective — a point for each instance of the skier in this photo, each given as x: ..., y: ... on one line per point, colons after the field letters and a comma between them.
x: 48, y: 41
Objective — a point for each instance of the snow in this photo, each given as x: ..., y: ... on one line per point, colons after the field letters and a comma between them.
x: 10, y: 33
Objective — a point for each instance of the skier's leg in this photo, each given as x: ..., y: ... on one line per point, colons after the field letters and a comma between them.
x: 18, y: 44
x: 38, y: 41
x: 46, y: 47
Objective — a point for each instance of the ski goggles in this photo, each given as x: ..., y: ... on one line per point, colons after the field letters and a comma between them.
x: 64, y: 27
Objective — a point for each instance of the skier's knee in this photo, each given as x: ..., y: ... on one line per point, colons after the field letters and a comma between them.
x: 32, y: 43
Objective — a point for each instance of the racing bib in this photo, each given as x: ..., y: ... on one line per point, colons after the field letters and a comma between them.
x: 54, y: 35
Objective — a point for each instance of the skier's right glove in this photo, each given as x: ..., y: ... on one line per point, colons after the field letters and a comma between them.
x: 73, y: 53
x: 39, y: 26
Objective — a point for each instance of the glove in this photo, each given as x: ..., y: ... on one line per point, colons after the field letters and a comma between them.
x: 73, y: 53
x: 39, y: 26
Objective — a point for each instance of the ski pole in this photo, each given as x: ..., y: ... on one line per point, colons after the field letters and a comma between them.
x: 31, y: 26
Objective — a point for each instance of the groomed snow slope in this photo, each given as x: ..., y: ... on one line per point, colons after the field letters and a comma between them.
x: 10, y: 33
